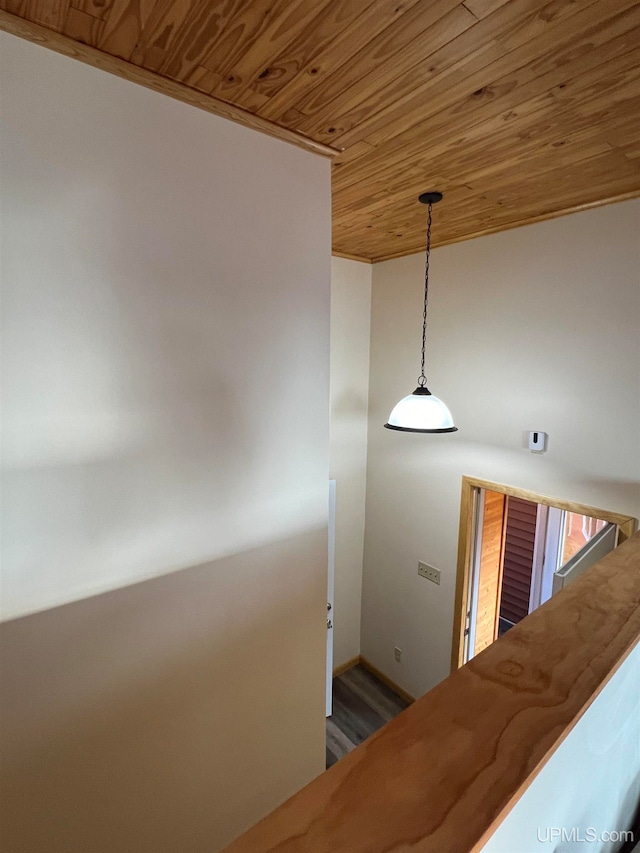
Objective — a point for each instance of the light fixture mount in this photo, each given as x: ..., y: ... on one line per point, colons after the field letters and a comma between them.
x: 421, y: 411
x: 432, y: 197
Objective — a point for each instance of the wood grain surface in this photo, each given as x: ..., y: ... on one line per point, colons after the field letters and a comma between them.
x: 442, y: 774
x: 517, y: 110
x: 491, y: 561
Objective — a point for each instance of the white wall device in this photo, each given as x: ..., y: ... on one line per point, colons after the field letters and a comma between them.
x: 537, y: 442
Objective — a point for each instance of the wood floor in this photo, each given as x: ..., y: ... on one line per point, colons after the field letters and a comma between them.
x: 362, y: 704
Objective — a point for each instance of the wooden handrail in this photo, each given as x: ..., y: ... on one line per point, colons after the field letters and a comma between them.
x: 442, y: 775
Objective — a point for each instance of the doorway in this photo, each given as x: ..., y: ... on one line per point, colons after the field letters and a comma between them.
x: 517, y: 548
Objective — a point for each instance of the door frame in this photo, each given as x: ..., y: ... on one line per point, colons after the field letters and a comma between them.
x: 540, y: 551
x: 331, y: 572
x: 471, y: 486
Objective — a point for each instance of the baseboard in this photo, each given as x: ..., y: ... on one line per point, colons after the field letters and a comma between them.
x: 338, y: 670
x: 358, y: 659
x: 386, y: 680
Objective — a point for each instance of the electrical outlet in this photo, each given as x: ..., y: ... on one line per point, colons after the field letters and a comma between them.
x: 429, y: 572
x: 398, y: 653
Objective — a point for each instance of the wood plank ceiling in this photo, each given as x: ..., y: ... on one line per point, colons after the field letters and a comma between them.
x: 517, y: 110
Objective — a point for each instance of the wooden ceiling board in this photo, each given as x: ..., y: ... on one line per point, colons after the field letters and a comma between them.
x: 482, y: 8
x: 169, y: 27
x: 336, y: 22
x: 346, y: 41
x: 517, y: 110
x: 361, y: 101
x: 505, y: 137
x: 382, y: 60
x: 455, y: 104
x: 472, y: 75
x: 49, y: 14
x: 124, y: 21
x: 557, y: 108
x: 276, y: 37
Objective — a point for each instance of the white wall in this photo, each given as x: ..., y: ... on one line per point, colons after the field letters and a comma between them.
x: 166, y: 282
x: 152, y: 406
x: 534, y: 328
x: 350, y: 325
x: 571, y: 793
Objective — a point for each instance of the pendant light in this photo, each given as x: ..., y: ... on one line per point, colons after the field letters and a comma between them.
x: 421, y: 411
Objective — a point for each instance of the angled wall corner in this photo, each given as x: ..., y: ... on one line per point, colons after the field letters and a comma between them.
x: 350, y: 334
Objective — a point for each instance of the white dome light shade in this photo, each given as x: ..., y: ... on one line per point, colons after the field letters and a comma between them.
x: 421, y: 412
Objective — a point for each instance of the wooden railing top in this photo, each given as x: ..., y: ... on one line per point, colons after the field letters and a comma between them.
x: 442, y: 775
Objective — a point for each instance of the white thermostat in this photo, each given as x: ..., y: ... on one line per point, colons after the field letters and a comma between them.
x: 537, y: 442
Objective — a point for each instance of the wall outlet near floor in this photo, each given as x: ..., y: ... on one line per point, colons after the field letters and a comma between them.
x: 398, y: 654
x: 429, y: 572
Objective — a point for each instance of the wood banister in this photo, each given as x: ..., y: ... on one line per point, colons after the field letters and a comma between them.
x: 442, y: 775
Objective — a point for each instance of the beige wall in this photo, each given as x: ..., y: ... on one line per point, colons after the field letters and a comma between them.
x: 350, y: 325
x: 166, y: 296
x: 535, y: 328
x: 169, y: 715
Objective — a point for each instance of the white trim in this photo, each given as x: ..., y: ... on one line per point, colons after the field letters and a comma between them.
x: 474, y: 586
x: 330, y: 584
x: 538, y: 558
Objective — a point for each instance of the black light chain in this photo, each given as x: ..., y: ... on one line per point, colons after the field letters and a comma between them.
x: 422, y: 381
